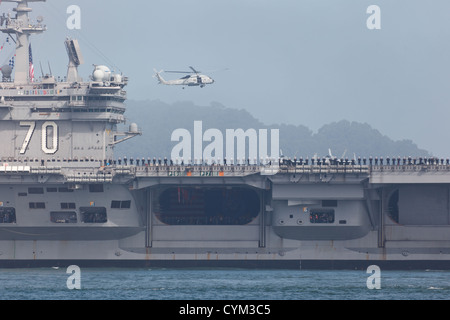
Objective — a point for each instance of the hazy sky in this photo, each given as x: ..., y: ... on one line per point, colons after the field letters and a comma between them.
x: 307, y: 62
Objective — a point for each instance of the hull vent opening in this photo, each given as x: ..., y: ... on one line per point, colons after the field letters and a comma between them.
x: 208, y: 206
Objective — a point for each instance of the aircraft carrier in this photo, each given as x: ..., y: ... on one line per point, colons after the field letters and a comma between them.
x: 66, y: 198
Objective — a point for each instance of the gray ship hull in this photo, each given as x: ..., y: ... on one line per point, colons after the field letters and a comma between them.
x: 298, y: 217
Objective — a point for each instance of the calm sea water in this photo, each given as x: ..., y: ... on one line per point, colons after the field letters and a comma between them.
x: 221, y: 284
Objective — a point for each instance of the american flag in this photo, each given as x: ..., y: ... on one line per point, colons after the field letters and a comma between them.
x: 31, y: 65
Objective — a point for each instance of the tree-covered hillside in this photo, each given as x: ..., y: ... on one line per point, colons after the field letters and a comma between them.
x: 158, y: 120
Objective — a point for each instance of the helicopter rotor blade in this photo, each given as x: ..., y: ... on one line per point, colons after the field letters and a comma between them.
x: 195, y: 71
x: 217, y: 70
x: 178, y: 71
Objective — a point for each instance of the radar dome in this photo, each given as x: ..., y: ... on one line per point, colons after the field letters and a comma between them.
x: 117, y: 78
x: 6, y: 71
x: 101, y: 73
x: 133, y: 127
x: 98, y: 75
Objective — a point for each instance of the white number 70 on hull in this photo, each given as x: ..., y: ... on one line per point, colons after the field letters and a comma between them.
x: 45, y: 128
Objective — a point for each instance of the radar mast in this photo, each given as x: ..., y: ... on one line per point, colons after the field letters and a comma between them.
x: 22, y: 28
x: 75, y: 59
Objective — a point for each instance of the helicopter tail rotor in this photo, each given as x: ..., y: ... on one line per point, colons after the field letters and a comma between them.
x: 158, y: 76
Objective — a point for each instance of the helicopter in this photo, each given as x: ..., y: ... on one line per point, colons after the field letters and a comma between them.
x: 194, y: 78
